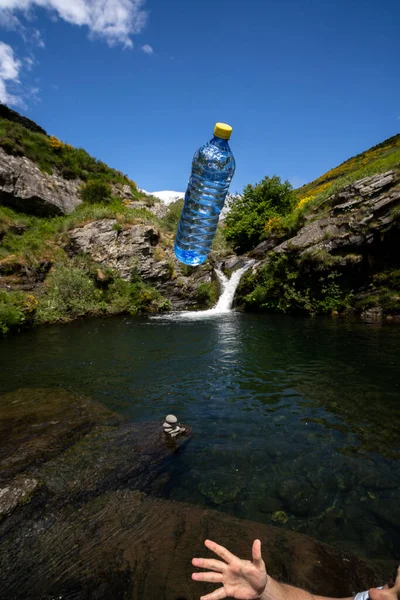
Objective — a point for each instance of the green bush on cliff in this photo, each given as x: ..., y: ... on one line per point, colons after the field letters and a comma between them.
x: 16, y: 309
x: 206, y: 294
x: 96, y: 192
x: 74, y: 290
x: 171, y: 219
x: 11, y: 311
x: 70, y: 293
x: 280, y: 286
x: 245, y: 222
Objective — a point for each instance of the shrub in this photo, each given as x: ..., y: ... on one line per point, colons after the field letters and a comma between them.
x: 70, y: 293
x: 75, y: 290
x: 16, y: 308
x: 206, y: 294
x: 281, y: 286
x: 96, y: 192
x: 171, y: 219
x: 249, y: 213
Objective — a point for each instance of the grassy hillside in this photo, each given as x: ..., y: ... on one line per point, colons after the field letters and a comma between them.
x: 50, y: 154
x: 379, y: 158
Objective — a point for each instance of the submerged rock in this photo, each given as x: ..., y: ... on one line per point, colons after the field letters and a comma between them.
x: 123, y: 544
x: 73, y: 445
x: 91, y: 532
x: 17, y: 492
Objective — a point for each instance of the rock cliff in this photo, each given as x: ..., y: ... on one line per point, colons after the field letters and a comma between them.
x: 24, y: 187
x: 354, y: 233
x: 140, y: 247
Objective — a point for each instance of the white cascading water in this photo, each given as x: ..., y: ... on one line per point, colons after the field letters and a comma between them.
x: 228, y: 287
x: 224, y: 304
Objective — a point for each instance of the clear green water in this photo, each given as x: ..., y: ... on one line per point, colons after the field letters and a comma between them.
x: 296, y: 415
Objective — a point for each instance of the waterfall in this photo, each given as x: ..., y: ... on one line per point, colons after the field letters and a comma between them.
x: 228, y: 287
x: 224, y: 304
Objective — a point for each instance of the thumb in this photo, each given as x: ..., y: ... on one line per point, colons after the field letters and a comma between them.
x: 256, y: 554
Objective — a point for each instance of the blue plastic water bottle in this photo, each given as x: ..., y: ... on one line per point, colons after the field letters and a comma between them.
x: 213, y: 167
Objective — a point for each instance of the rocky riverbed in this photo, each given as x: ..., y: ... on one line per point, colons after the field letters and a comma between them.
x: 81, y: 515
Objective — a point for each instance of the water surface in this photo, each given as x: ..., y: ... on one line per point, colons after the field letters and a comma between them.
x: 292, y: 415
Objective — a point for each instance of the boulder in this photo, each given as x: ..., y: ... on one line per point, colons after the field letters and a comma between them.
x: 123, y: 544
x: 24, y: 187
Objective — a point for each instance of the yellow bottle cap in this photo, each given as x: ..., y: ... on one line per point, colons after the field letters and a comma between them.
x: 222, y: 130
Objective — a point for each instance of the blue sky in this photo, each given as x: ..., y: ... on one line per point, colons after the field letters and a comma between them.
x: 140, y: 83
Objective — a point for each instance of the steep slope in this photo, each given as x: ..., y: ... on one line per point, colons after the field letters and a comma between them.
x: 379, y: 158
x: 78, y: 238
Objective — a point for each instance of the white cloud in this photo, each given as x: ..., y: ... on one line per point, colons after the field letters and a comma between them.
x: 113, y: 20
x: 37, y: 38
x: 9, y: 73
x: 147, y: 49
x: 29, y: 62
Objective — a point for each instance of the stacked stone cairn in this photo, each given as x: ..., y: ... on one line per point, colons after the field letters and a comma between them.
x: 171, y: 426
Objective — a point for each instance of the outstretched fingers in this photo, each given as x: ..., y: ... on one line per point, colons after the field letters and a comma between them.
x: 217, y: 595
x: 210, y: 577
x: 222, y: 552
x: 209, y: 563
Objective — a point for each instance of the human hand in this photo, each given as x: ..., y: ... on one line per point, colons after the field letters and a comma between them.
x: 241, y: 579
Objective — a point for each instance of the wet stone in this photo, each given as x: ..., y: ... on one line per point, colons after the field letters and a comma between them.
x: 17, y: 492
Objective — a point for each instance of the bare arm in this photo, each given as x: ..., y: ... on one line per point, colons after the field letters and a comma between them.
x: 245, y: 579
x: 282, y: 591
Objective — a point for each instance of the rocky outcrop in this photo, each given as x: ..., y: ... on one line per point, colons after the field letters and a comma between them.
x: 85, y: 517
x: 139, y: 248
x: 24, y: 187
x: 355, y: 216
x: 355, y: 233
x: 120, y: 248
x: 346, y: 222
x: 157, y: 208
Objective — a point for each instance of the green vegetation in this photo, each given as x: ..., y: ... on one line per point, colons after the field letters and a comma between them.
x: 378, y: 159
x: 96, y: 192
x: 383, y: 291
x: 282, y: 286
x: 51, y: 154
x: 253, y: 213
x: 16, y: 308
x: 171, y: 219
x: 206, y: 294
x: 76, y: 289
